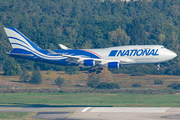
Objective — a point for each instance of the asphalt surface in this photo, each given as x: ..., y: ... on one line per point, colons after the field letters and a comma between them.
x: 100, y: 113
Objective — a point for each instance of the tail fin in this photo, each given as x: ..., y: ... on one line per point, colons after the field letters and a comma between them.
x: 19, y: 41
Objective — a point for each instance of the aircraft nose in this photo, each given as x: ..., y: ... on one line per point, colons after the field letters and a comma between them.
x: 174, y: 55
x: 171, y: 54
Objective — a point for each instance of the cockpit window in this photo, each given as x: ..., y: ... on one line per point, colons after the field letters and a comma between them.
x: 162, y: 47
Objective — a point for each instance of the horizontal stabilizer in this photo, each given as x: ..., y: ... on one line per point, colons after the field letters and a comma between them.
x: 18, y: 54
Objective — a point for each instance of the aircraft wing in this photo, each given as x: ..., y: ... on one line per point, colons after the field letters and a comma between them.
x: 82, y: 61
x: 74, y: 59
x: 91, y: 62
x: 63, y: 55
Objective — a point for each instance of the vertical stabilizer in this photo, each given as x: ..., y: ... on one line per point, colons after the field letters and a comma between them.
x: 19, y: 41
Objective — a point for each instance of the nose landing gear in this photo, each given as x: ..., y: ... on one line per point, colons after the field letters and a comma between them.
x: 158, y: 66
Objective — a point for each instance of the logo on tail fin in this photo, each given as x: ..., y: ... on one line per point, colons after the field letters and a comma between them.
x: 20, y: 41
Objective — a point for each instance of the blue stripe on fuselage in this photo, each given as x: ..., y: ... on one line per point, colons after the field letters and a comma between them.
x: 113, y: 53
x: 60, y: 61
x: 78, y: 53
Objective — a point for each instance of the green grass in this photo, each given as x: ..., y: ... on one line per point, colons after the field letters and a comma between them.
x: 78, y: 81
x: 88, y: 99
x: 13, y: 115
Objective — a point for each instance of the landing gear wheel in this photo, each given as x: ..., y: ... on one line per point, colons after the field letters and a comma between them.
x: 92, y: 70
x: 100, y: 68
x: 97, y: 72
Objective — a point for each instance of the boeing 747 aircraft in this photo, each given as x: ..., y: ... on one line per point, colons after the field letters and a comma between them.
x: 111, y: 57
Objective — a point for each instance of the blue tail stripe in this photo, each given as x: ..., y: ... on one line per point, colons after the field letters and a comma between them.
x: 33, y: 52
x: 28, y: 49
x: 29, y: 41
x: 18, y: 40
x: 22, y: 46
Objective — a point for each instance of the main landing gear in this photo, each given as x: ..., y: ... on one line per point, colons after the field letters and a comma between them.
x: 97, y: 70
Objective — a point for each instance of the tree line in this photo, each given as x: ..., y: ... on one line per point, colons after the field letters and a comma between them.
x: 93, y: 24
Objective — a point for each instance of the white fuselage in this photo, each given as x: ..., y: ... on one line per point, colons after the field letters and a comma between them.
x: 136, y: 54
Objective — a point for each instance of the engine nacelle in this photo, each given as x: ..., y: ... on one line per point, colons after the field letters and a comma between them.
x: 89, y: 63
x: 113, y: 64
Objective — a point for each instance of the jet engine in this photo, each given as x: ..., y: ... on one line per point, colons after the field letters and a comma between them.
x: 89, y: 63
x: 113, y: 64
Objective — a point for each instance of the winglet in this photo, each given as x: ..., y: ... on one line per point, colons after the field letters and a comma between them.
x: 64, y: 47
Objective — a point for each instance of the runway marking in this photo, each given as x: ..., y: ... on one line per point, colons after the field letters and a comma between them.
x: 86, y: 109
x: 10, y: 108
x: 131, y: 109
x: 71, y: 114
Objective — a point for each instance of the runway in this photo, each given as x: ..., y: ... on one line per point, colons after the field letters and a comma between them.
x: 100, y: 113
